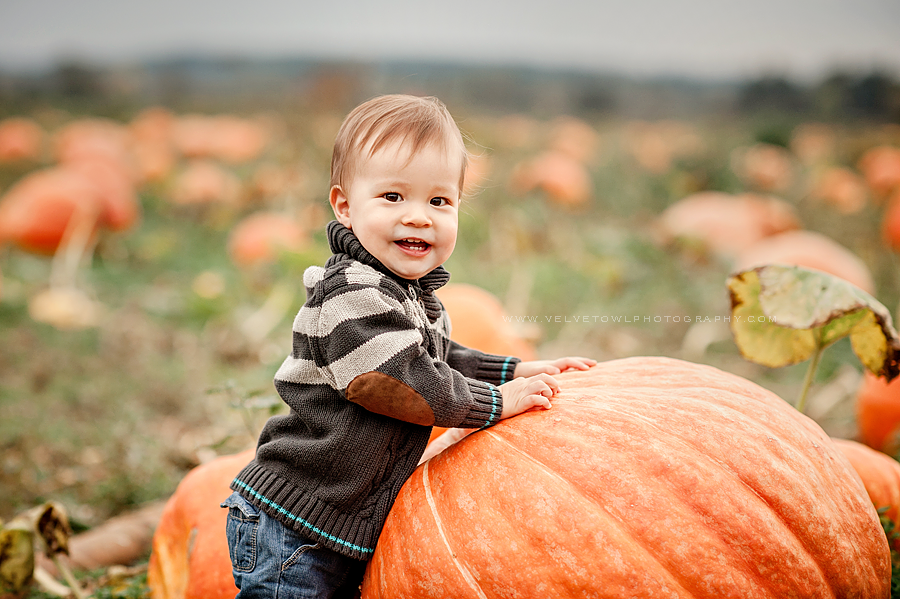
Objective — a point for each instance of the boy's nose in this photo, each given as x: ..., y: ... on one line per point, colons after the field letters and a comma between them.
x: 416, y: 215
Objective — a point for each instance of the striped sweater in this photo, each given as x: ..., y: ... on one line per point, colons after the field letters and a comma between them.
x: 372, y: 370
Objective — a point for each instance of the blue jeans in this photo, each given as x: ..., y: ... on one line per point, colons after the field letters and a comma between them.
x: 270, y: 560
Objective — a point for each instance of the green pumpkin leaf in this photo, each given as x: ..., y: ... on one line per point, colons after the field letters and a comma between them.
x: 781, y: 314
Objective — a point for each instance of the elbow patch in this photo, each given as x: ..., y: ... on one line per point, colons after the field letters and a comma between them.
x: 385, y: 395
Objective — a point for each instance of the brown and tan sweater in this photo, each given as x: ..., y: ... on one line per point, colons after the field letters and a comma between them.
x: 372, y: 370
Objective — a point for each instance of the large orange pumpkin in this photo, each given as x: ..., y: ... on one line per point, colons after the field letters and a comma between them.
x: 878, y: 413
x: 190, y: 553
x: 649, y: 477
x: 880, y: 474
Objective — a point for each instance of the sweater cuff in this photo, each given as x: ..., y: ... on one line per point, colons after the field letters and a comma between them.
x: 496, y: 369
x: 487, y: 408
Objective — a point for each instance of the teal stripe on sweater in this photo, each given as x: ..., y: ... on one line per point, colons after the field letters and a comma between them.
x: 495, y: 395
x: 281, y: 510
x: 505, y: 368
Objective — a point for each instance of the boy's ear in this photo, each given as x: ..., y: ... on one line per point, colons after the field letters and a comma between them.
x: 340, y: 205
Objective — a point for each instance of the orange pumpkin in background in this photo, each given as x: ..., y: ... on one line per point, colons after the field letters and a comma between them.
x: 880, y: 474
x: 20, y: 139
x: 878, y: 413
x: 649, y: 477
x: 477, y: 173
x: 880, y: 167
x: 656, y: 145
x: 890, y: 223
x: 814, y: 143
x: 95, y: 140
x: 260, y: 237
x: 564, y: 180
x: 809, y: 249
x: 36, y: 211
x: 478, y: 320
x: 121, y: 208
x: 205, y: 182
x: 226, y: 137
x: 840, y: 188
x: 190, y: 552
x: 574, y: 138
x: 765, y: 167
x: 725, y: 224
x: 151, y: 143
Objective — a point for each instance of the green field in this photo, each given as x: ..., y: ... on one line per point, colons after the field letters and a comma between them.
x: 109, y: 417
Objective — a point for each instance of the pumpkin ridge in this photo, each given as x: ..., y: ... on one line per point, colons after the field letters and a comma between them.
x: 429, y: 497
x: 612, y: 518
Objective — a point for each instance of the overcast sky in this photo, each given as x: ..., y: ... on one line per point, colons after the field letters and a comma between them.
x: 709, y: 39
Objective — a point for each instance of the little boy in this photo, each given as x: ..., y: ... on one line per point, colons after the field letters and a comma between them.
x: 372, y: 367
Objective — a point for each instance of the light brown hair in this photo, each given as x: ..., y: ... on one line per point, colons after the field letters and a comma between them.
x: 382, y: 120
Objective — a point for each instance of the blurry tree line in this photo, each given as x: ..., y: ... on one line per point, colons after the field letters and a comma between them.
x: 233, y: 84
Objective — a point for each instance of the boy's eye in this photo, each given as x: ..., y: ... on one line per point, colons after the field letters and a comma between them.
x: 438, y: 201
x: 391, y: 196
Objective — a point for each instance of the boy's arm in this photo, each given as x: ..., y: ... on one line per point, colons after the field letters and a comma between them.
x: 361, y: 341
x: 479, y: 365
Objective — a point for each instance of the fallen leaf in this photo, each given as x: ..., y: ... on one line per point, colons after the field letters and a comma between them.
x: 16, y: 556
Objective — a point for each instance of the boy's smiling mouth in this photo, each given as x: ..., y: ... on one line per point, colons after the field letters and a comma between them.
x: 413, y: 245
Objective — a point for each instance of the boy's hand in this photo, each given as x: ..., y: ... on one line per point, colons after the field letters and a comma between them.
x: 524, y: 393
x: 552, y: 366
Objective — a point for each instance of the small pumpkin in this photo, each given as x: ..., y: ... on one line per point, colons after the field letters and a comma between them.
x: 880, y: 475
x: 765, y: 167
x: 260, y: 237
x: 725, y: 224
x: 574, y: 138
x: 20, y: 139
x: 890, y: 222
x: 841, y: 188
x: 189, y: 559
x: 37, y: 210
x: 564, y: 180
x: 814, y: 143
x: 95, y: 140
x: 878, y: 413
x: 224, y: 137
x: 649, y: 477
x: 881, y: 168
x: 204, y: 181
x: 479, y: 321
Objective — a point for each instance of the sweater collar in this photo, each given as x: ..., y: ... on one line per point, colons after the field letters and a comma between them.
x: 343, y: 241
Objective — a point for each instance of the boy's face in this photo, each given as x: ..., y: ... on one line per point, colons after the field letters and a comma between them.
x: 403, y: 209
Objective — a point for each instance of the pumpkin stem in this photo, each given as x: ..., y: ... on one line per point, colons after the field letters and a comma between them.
x: 75, y: 244
x: 810, y: 373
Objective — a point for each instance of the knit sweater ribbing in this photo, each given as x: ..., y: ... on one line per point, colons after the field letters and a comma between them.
x: 332, y: 467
